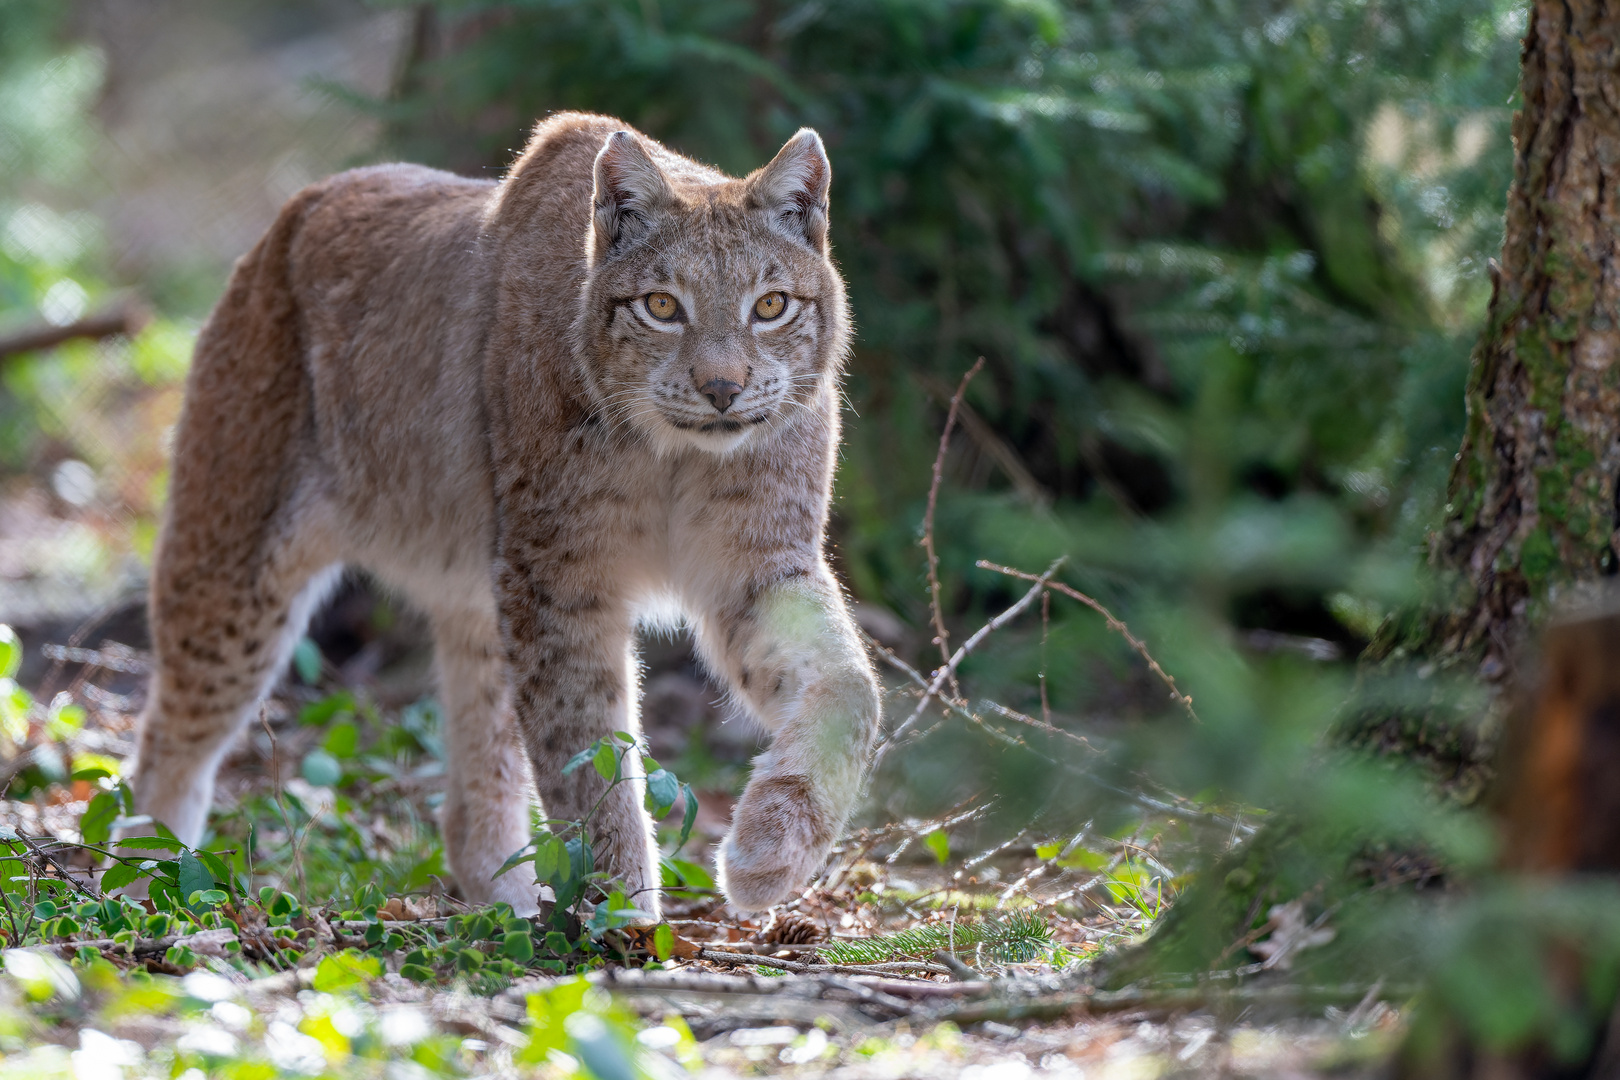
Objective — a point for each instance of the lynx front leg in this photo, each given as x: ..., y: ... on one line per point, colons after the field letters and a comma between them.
x: 573, y: 683
x: 793, y: 654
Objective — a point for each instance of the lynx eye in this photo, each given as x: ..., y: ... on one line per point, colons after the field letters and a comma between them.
x: 770, y: 305
x: 662, y: 306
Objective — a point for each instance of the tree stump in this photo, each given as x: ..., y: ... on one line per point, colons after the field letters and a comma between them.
x: 1558, y: 815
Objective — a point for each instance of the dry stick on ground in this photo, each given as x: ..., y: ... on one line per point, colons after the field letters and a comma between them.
x: 941, y: 635
x: 949, y: 670
x: 1114, y: 624
x: 1150, y: 1000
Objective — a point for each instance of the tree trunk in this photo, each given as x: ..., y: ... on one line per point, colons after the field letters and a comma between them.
x: 1531, y: 516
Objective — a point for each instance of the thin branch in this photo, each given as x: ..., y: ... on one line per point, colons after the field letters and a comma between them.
x: 941, y: 635
x: 984, y: 436
x: 1184, y: 700
x: 44, y: 855
x: 127, y: 318
x: 949, y: 670
x: 1169, y: 999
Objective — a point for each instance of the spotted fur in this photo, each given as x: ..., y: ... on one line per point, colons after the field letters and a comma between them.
x: 458, y: 385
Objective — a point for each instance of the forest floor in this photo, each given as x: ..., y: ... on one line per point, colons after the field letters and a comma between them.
x: 739, y: 995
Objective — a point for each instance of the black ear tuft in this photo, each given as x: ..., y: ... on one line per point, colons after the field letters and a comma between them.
x: 792, y: 189
x: 630, y: 189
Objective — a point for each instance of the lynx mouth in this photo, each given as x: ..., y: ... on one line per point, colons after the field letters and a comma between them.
x: 724, y: 426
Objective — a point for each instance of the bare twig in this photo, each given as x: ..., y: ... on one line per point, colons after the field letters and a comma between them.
x: 126, y: 318
x: 941, y: 636
x: 281, y: 804
x: 1114, y: 624
x: 949, y: 670
x: 1169, y: 999
x: 44, y: 855
x: 994, y: 446
x: 112, y: 658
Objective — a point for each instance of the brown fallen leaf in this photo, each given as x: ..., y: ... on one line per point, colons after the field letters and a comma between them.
x: 642, y: 938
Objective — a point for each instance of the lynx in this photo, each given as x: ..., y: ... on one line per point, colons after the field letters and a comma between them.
x: 600, y: 390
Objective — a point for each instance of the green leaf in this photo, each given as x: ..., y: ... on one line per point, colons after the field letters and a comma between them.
x: 550, y: 857
x: 580, y: 758
x: 11, y: 652
x: 65, y: 721
x: 319, y: 712
x: 1082, y: 859
x: 216, y: 866
x: 192, y: 876
x: 96, y: 824
x: 521, y: 855
x: 662, y: 791
x: 150, y: 843
x: 519, y: 947
x: 45, y: 909
x: 321, y: 769
x: 1048, y: 851
x: 345, y: 969
x: 417, y: 973
x: 307, y: 661
x: 663, y: 941
x: 581, y: 862
x: 558, y: 943
x: 606, y: 760
x: 691, y: 816
x: 940, y: 844
x: 678, y: 873
x: 117, y: 876
x: 343, y: 740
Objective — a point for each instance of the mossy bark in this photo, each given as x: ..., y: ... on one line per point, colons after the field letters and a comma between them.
x: 1531, y: 513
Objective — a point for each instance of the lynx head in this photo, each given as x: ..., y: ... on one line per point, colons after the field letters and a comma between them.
x: 711, y: 309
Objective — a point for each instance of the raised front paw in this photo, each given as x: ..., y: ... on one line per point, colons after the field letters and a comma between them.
x: 780, y: 835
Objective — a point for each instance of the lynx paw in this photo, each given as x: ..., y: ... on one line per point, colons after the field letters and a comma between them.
x: 779, y: 838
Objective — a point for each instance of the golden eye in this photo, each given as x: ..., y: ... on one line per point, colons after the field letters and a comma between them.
x: 770, y: 305
x: 662, y: 306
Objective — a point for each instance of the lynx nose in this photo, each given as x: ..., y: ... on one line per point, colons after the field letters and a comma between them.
x: 720, y: 392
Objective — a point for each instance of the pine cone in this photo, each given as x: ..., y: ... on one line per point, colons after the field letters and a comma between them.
x: 791, y: 928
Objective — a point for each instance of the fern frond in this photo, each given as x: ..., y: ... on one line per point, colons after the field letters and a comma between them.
x: 1019, y: 938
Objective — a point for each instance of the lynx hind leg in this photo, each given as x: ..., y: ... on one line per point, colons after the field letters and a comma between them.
x: 220, y: 643
x: 485, y: 816
x: 244, y: 554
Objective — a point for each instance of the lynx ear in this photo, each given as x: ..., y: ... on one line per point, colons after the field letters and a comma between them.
x: 792, y: 189
x: 629, y: 189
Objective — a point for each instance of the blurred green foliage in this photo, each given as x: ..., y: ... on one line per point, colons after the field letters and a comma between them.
x: 1225, y: 260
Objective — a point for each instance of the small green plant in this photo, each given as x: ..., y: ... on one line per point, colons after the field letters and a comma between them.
x: 562, y: 856
x: 1018, y: 939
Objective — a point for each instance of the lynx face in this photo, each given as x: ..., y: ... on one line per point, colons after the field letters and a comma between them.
x: 711, y: 310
